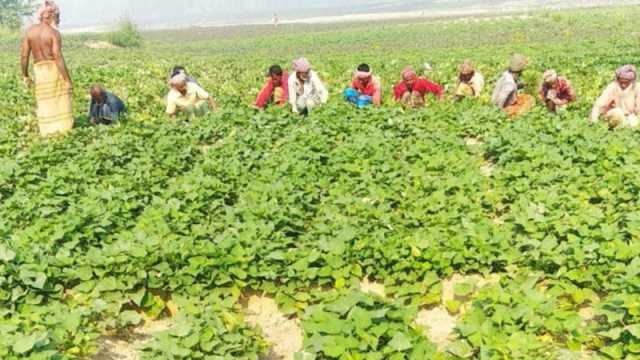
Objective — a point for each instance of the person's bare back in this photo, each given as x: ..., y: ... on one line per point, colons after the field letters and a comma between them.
x: 43, y: 42
x: 40, y: 40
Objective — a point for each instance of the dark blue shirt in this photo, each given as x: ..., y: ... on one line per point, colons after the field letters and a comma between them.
x: 109, y: 111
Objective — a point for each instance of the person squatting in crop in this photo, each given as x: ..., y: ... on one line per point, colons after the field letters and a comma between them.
x: 556, y: 91
x: 105, y: 108
x: 620, y: 101
x: 506, y: 94
x: 274, y: 91
x: 306, y: 90
x: 53, y: 85
x: 470, y: 81
x: 188, y: 98
x: 365, y: 88
x: 412, y: 89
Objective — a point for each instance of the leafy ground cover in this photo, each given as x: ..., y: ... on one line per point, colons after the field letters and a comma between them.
x: 114, y: 225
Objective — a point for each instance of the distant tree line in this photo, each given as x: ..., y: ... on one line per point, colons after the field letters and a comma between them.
x: 13, y: 12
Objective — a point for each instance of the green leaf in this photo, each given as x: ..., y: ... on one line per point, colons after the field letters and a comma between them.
x: 34, y: 279
x: 361, y: 318
x: 634, y: 330
x: 333, y: 347
x: 460, y: 349
x: 463, y: 289
x: 6, y: 254
x: 130, y: 317
x: 24, y: 344
x: 303, y: 356
x: 400, y: 342
x: 453, y: 306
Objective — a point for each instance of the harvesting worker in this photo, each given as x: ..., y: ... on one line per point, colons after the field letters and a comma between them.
x: 470, y: 81
x: 53, y: 85
x: 275, y: 91
x: 365, y: 88
x: 306, y: 90
x: 188, y: 98
x: 507, y: 94
x: 619, y: 104
x: 105, y: 107
x: 556, y: 91
x: 412, y: 90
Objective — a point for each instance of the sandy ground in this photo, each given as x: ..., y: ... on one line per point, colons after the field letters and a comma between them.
x: 437, y: 321
x: 283, y: 333
x: 99, y: 45
x: 372, y: 288
x: 487, y: 168
x: 127, y: 347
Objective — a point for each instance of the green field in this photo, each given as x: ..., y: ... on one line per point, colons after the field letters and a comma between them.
x: 524, y: 233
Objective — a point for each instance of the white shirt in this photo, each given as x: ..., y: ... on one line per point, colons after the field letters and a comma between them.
x: 312, y: 89
x: 506, y: 90
x: 613, y: 97
x: 194, y: 95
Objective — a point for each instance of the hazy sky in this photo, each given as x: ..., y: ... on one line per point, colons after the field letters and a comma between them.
x: 164, y: 13
x: 158, y: 12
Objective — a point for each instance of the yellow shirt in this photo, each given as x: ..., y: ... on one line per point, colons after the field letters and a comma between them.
x: 194, y: 96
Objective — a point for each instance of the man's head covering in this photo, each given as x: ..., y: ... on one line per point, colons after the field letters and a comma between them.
x: 177, y: 80
x: 301, y: 65
x: 550, y: 76
x: 408, y: 73
x: 518, y: 63
x: 466, y: 68
x: 363, y: 74
x: 46, y: 7
x: 627, y: 72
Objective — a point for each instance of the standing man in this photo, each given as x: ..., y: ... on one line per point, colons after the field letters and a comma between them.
x: 52, y: 82
x: 105, y: 108
x: 507, y: 95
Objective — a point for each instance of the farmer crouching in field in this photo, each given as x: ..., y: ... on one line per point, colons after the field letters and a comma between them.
x: 556, y: 91
x: 306, y: 91
x: 274, y: 91
x: 52, y: 82
x: 506, y: 94
x: 188, y: 98
x: 365, y: 88
x: 620, y: 101
x: 470, y: 81
x: 105, y: 108
x: 412, y: 90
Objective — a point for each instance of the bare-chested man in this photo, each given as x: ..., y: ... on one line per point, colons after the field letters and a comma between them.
x: 52, y: 82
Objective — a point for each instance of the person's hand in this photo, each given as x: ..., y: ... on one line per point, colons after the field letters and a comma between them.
x: 27, y: 81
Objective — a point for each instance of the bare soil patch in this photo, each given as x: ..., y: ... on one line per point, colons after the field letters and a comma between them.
x: 127, y: 347
x: 285, y: 334
x: 372, y: 288
x: 99, y: 45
